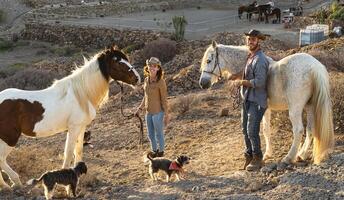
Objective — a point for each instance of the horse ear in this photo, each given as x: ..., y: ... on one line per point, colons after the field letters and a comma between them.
x: 214, y: 43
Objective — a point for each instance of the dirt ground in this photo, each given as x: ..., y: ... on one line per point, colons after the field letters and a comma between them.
x: 214, y: 142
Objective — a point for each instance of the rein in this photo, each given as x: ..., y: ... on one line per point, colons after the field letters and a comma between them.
x: 131, y: 116
x: 235, y: 97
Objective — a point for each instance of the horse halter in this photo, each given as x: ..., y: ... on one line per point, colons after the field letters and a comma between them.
x: 216, y: 65
x: 131, y: 68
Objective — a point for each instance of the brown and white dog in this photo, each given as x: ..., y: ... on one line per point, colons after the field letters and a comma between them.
x: 168, y: 166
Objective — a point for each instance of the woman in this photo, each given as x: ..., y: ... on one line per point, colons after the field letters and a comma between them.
x: 155, y: 104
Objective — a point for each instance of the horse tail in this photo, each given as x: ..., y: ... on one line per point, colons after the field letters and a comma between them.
x: 322, y: 108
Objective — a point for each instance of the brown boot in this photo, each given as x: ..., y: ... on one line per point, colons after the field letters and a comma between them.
x: 248, y: 159
x: 255, y: 164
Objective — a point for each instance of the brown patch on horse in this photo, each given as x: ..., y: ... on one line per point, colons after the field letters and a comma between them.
x: 18, y: 116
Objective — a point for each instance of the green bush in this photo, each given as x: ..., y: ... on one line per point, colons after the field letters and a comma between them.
x: 338, y: 14
x: 179, y: 23
x: 5, y: 45
x: 66, y: 51
x: 2, y: 16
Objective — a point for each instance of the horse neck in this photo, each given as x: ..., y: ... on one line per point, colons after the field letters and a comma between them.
x: 88, y: 85
x: 232, y: 58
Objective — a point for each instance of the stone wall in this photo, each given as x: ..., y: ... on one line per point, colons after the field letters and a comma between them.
x: 111, y: 8
x: 89, y: 37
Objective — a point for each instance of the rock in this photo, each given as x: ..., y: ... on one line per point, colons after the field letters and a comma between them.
x: 268, y: 168
x: 224, y: 112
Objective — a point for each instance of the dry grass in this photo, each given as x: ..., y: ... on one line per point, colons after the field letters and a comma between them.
x: 333, y: 60
x: 29, y: 79
x: 182, y: 104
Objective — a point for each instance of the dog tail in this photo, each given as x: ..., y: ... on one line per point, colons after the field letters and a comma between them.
x: 34, y: 182
x: 147, y: 157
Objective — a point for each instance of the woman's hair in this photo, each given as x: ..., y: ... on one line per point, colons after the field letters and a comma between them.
x: 159, y: 74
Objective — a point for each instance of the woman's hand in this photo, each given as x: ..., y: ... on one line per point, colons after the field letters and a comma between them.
x: 166, y: 119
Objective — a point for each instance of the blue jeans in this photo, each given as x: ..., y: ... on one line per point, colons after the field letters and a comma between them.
x: 251, y: 116
x: 155, y: 127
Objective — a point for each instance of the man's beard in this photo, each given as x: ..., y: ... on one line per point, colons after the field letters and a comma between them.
x: 255, y: 47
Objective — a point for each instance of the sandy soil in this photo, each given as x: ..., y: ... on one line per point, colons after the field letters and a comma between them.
x: 117, y: 171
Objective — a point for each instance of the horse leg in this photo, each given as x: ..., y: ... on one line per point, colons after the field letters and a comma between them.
x: 4, y: 152
x: 303, y: 153
x: 72, y: 136
x: 267, y: 134
x: 295, y: 116
x: 79, y: 146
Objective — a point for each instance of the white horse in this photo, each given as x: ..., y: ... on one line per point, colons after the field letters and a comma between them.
x: 69, y: 104
x: 296, y: 82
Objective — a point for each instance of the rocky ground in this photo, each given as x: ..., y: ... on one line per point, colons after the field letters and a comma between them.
x: 197, y: 129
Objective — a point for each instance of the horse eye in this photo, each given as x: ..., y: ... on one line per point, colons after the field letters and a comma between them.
x: 208, y: 61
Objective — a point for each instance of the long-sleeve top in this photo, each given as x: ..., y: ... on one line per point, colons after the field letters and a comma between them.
x: 155, y: 96
x: 256, y: 71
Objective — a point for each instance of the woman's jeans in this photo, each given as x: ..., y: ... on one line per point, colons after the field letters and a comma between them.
x: 251, y: 116
x: 155, y: 126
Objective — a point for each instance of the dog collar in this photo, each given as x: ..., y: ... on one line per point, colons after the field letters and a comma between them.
x: 174, y: 166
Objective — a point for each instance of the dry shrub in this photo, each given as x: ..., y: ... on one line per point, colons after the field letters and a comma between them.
x: 183, y: 104
x: 29, y: 79
x: 337, y: 96
x: 164, y: 49
x: 281, y: 119
x: 333, y: 60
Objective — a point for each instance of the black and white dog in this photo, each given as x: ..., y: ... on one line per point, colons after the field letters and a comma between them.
x: 65, y: 177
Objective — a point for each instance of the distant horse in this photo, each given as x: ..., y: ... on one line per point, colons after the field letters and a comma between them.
x: 276, y: 12
x: 296, y: 82
x: 253, y: 9
x: 250, y: 9
x: 68, y: 104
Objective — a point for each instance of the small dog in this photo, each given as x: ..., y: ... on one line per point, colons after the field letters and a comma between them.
x: 168, y: 166
x: 66, y: 177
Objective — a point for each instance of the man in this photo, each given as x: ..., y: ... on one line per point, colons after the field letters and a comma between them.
x: 254, y: 94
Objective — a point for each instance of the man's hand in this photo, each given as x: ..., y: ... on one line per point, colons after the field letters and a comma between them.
x: 245, y: 83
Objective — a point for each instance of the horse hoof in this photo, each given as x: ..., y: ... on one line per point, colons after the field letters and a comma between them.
x: 299, y: 159
x: 5, y: 189
x: 17, y: 186
x: 286, y: 160
x: 266, y: 157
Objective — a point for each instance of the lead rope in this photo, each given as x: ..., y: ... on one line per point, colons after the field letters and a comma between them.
x: 131, y: 116
x: 234, y: 94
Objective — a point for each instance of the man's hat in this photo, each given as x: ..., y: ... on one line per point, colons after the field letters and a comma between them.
x: 258, y: 34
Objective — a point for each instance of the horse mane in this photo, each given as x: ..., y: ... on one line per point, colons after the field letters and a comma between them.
x: 87, y: 84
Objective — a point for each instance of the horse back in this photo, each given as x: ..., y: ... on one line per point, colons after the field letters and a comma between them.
x: 290, y: 79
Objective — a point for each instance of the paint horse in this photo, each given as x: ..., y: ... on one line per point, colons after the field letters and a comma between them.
x: 68, y: 104
x: 295, y: 83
